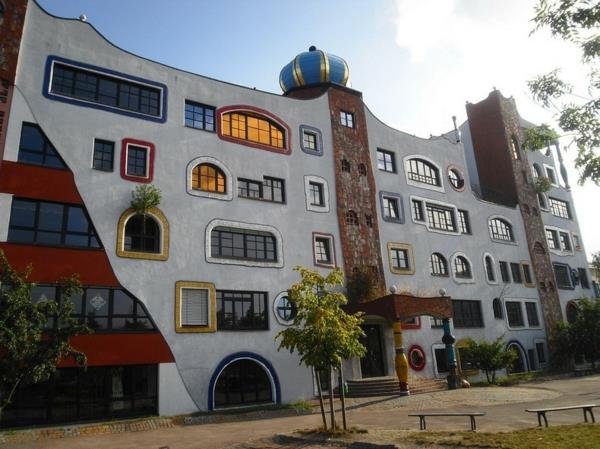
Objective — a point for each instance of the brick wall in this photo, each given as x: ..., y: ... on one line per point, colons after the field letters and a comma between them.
x: 494, y: 122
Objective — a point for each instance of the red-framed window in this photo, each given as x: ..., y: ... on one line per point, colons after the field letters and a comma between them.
x: 137, y: 160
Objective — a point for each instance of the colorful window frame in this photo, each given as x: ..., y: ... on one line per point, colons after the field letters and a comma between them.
x: 150, y: 151
x: 410, y: 260
x: 162, y: 222
x: 212, y: 307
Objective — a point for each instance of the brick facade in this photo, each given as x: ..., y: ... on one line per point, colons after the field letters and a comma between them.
x: 494, y: 123
x: 355, y: 186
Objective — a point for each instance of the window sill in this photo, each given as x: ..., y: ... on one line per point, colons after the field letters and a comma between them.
x: 262, y: 200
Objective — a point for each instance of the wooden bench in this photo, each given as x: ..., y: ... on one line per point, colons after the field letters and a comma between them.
x: 471, y: 415
x: 541, y: 412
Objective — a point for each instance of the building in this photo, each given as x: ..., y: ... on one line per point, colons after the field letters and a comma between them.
x: 186, y: 303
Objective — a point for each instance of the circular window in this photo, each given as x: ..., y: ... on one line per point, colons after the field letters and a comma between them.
x: 456, y: 178
x: 285, y: 310
x: 416, y: 357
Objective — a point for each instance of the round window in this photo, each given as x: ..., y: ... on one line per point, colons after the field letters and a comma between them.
x: 285, y: 310
x: 456, y: 178
x: 416, y: 357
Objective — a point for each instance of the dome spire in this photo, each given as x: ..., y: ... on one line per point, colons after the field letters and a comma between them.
x: 313, y: 67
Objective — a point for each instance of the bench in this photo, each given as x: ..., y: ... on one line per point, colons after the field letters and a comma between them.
x: 471, y: 415
x: 541, y: 412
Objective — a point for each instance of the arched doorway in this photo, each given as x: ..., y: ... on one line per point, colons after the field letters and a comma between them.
x: 520, y: 364
x: 241, y: 380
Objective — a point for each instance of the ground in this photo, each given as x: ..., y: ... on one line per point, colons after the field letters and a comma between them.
x: 385, y: 420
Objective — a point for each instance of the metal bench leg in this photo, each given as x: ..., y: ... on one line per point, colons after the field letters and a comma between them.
x: 545, y: 419
x: 539, y: 415
x: 587, y: 410
x: 473, y: 424
x: 585, y: 414
x: 422, y: 424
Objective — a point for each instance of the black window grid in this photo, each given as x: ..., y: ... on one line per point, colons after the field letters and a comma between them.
x: 467, y: 313
x: 41, y: 151
x: 199, y: 116
x: 441, y: 218
x: 514, y: 313
x: 559, y: 208
x: 464, y: 224
x: 323, y: 250
x: 501, y: 230
x: 438, y: 266
x: 423, y: 172
x: 386, y: 161
x: 270, y: 189
x: 504, y: 271
x: 137, y: 163
x: 316, y: 194
x: 104, y: 151
x: 242, y: 310
x: 462, y: 268
x: 417, y: 210
x: 515, y: 270
x: 231, y: 243
x: 400, y: 259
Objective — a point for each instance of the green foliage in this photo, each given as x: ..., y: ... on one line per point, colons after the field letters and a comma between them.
x: 29, y: 352
x: 578, y: 114
x: 362, y: 285
x: 322, y: 333
x: 144, y: 198
x: 488, y: 356
x: 539, y: 137
x: 542, y: 184
x: 580, y: 339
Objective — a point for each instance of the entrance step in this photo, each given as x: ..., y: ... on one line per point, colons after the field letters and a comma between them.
x: 389, y: 386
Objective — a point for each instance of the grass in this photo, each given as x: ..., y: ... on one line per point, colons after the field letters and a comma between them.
x: 512, y: 379
x: 580, y: 436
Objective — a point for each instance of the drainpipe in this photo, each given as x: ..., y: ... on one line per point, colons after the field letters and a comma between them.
x: 401, y: 360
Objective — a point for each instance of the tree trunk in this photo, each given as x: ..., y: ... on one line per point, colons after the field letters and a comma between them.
x: 342, y: 396
x: 331, y: 409
x: 321, y: 399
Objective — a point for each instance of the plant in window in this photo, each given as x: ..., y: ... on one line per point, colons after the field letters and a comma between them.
x: 322, y: 333
x: 144, y: 198
x: 488, y: 356
x: 542, y: 184
x: 31, y: 351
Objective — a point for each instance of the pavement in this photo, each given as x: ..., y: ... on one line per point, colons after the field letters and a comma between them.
x: 504, y: 408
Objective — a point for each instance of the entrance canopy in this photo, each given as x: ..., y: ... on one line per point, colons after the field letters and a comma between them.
x: 402, y: 307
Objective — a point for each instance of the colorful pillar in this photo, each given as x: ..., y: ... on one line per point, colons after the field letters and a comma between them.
x: 448, y: 339
x: 401, y: 360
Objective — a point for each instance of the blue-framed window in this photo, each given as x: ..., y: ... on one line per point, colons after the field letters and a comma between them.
x: 91, y: 86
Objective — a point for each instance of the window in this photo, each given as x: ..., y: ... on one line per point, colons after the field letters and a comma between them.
x: 137, y: 160
x: 316, y: 194
x: 369, y: 220
x: 565, y: 241
x: 514, y: 148
x: 195, y: 307
x: 241, y: 383
x: 576, y: 242
x: 115, y: 93
x: 46, y: 223
x: 142, y: 234
x: 441, y: 218
x: 464, y: 225
x: 559, y: 240
x: 241, y: 310
x: 103, y: 155
x: 347, y: 119
x: 527, y: 274
x: 551, y: 174
x: 252, y: 127
x: 424, y: 172
x: 462, y: 268
x: 386, y: 161
x: 541, y: 352
x: 552, y: 237
x: 504, y: 271
x: 390, y: 208
x: 489, y: 269
x: 35, y: 148
x: 466, y: 313
x: 501, y: 230
x: 542, y: 201
x: 400, y: 258
x: 514, y: 313
x: 285, y: 310
x: 362, y: 169
x: 537, y: 171
x: 311, y: 140
x: 583, y: 278
x: 345, y: 166
x: 457, y: 180
x: 571, y: 311
x: 417, y: 210
x: 532, y: 314
x: 323, y: 250
x: 497, y: 306
x: 208, y: 178
x: 233, y: 243
x: 199, y: 116
x: 351, y: 218
x: 271, y: 189
x: 559, y: 208
x: 438, y: 265
x: 515, y: 270
x: 562, y: 273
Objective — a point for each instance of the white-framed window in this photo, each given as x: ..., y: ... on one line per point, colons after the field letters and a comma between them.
x: 438, y: 265
x: 542, y: 201
x: 386, y: 160
x: 501, y: 229
x: 284, y: 310
x: 522, y: 313
x: 323, y: 250
x: 456, y: 178
x: 392, y: 207
x: 311, y: 140
x: 489, y: 266
x: 316, y: 192
x: 440, y: 359
x: 401, y: 259
x: 559, y: 208
x: 559, y: 241
x: 437, y: 216
x: 347, y: 119
x: 208, y: 177
x: 551, y: 174
x: 423, y: 172
x: 462, y: 268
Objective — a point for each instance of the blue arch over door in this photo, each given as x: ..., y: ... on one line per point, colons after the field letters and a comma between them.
x: 239, y: 356
x: 523, y: 352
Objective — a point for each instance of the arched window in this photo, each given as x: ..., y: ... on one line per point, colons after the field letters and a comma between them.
x: 345, y: 165
x: 571, y: 311
x: 425, y: 172
x: 362, y: 169
x: 501, y: 230
x: 542, y: 201
x: 514, y: 148
x: 142, y: 234
x: 497, y: 306
x: 438, y: 265
x: 243, y: 382
x: 351, y: 218
x: 208, y: 178
x: 489, y: 269
x: 252, y: 127
x: 462, y: 268
x: 456, y: 178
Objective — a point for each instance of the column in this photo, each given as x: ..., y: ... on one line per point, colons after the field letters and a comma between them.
x: 401, y: 360
x: 448, y: 339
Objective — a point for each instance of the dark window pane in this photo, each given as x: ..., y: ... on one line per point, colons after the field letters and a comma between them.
x: 50, y: 216
x: 23, y: 213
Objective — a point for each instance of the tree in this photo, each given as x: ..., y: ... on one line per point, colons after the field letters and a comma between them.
x: 581, y: 338
x: 29, y: 351
x: 578, y: 112
x: 489, y: 356
x: 144, y: 198
x: 322, y: 333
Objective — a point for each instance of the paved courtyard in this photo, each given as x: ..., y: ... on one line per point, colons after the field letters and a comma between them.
x: 504, y: 408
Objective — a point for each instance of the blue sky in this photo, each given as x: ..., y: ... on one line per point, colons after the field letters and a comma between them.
x: 416, y: 61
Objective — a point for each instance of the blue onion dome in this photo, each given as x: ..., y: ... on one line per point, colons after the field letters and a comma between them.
x: 313, y: 67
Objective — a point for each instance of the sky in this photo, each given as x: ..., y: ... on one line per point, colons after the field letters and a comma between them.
x: 417, y: 62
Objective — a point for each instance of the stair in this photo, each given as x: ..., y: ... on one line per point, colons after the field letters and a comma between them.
x: 389, y: 386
